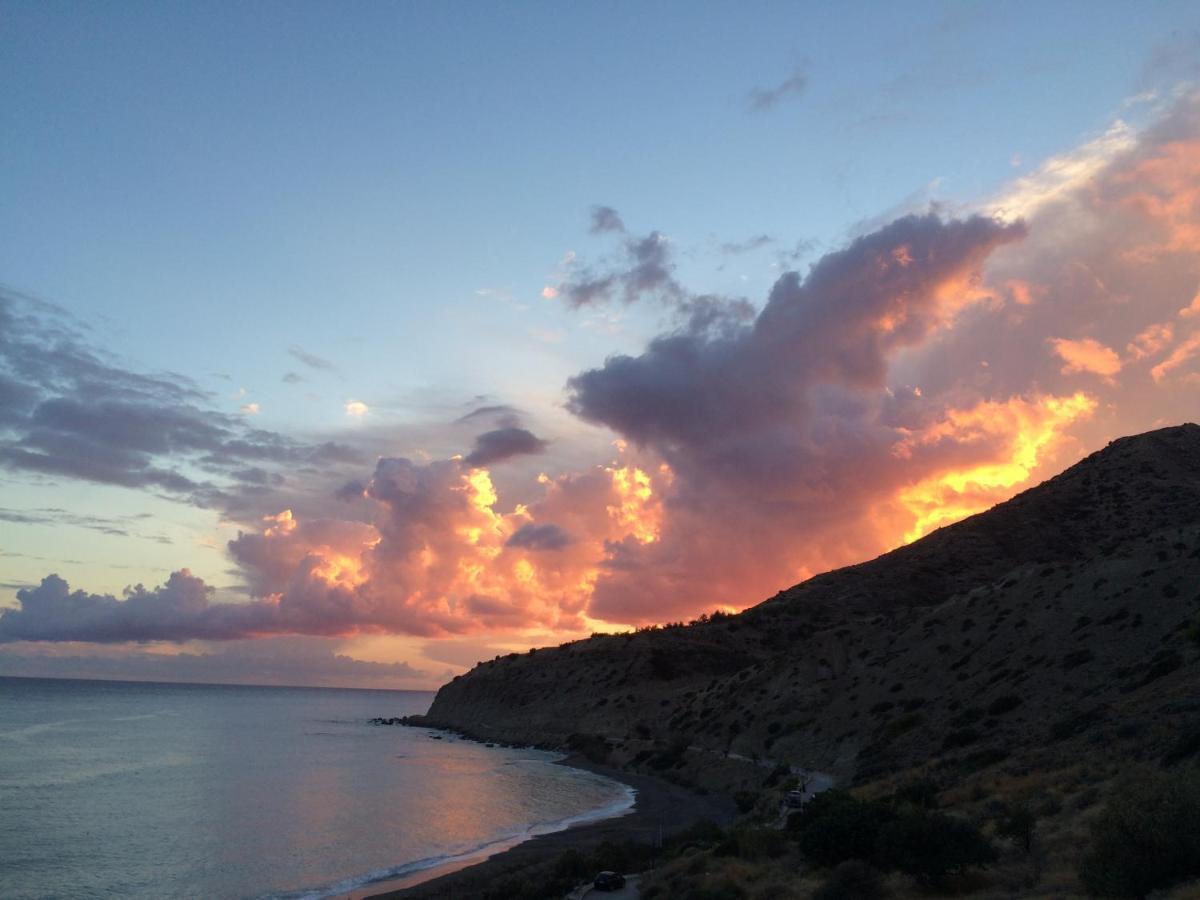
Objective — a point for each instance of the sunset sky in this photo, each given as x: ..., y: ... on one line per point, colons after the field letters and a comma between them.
x: 354, y: 348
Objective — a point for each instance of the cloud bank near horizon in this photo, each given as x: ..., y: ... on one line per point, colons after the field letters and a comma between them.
x: 925, y: 371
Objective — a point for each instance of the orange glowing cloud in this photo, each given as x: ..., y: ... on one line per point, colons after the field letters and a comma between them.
x: 1150, y: 340
x: 1164, y: 188
x: 1087, y: 355
x: 1178, y: 357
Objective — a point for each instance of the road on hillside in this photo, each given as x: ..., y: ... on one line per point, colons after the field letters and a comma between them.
x: 631, y: 891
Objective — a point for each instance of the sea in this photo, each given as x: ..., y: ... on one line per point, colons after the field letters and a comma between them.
x: 123, y: 789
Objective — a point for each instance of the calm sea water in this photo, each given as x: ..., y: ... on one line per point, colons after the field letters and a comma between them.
x: 117, y: 789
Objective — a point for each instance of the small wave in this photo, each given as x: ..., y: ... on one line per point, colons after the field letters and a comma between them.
x: 22, y: 734
x: 619, y: 807
x: 98, y: 771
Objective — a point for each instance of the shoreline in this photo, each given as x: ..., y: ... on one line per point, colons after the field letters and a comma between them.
x: 659, y: 807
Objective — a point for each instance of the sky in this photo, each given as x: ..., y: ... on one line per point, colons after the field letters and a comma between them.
x: 354, y: 345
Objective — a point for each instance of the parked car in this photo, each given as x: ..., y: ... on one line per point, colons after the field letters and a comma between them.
x: 609, y: 881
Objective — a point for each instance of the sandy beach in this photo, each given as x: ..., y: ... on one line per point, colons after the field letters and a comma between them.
x: 661, y: 807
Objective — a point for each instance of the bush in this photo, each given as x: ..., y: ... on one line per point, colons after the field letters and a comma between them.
x: 760, y: 843
x: 922, y: 793
x: 745, y: 800
x: 836, y: 826
x: 1146, y: 838
x: 929, y: 846
x: 1017, y: 825
x: 853, y: 879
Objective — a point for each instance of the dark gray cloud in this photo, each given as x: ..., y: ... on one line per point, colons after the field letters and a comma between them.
x: 179, y: 610
x: 692, y: 390
x: 763, y: 98
x: 604, y: 219
x: 504, y: 443
x: 645, y: 268
x: 291, y: 378
x: 763, y: 422
x: 67, y: 410
x: 535, y: 536
x: 311, y: 359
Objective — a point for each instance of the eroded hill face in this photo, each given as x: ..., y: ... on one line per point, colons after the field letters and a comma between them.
x: 1067, y: 617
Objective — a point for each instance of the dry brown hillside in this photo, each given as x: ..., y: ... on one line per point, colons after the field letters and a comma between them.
x: 1064, y: 620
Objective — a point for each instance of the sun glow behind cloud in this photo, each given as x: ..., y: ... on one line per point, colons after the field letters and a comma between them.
x: 755, y: 447
x: 1025, y: 430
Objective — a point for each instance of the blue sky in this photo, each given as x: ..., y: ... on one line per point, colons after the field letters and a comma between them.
x: 388, y: 188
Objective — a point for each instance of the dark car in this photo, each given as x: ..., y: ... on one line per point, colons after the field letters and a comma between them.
x: 609, y: 881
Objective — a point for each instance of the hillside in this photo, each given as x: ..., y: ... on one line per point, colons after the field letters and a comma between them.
x: 1067, y: 617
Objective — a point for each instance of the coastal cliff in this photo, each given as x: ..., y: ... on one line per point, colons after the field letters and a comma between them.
x: 1067, y: 617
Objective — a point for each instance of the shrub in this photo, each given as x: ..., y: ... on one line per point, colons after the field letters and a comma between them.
x: 1017, y: 824
x: 929, y: 846
x: 836, y: 826
x: 760, y: 843
x: 1147, y: 837
x: 853, y: 879
x: 922, y: 793
x: 745, y: 800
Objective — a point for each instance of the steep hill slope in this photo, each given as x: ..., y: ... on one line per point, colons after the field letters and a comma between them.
x: 1068, y: 616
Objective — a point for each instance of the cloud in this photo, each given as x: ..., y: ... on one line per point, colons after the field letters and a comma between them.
x: 504, y: 443
x: 250, y: 409
x: 733, y: 248
x: 311, y: 359
x: 532, y: 536
x: 68, y: 410
x: 503, y: 414
x: 645, y: 269
x: 922, y: 372
x: 761, y: 99
x: 292, y: 378
x: 605, y: 219
x: 115, y: 526
x: 1086, y: 355
x: 356, y: 408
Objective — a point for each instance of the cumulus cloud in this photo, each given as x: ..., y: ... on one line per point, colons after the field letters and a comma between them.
x: 926, y: 370
x: 504, y: 443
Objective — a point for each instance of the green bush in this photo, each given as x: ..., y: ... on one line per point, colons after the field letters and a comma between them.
x: 1146, y: 838
x: 853, y: 879
x: 929, y: 846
